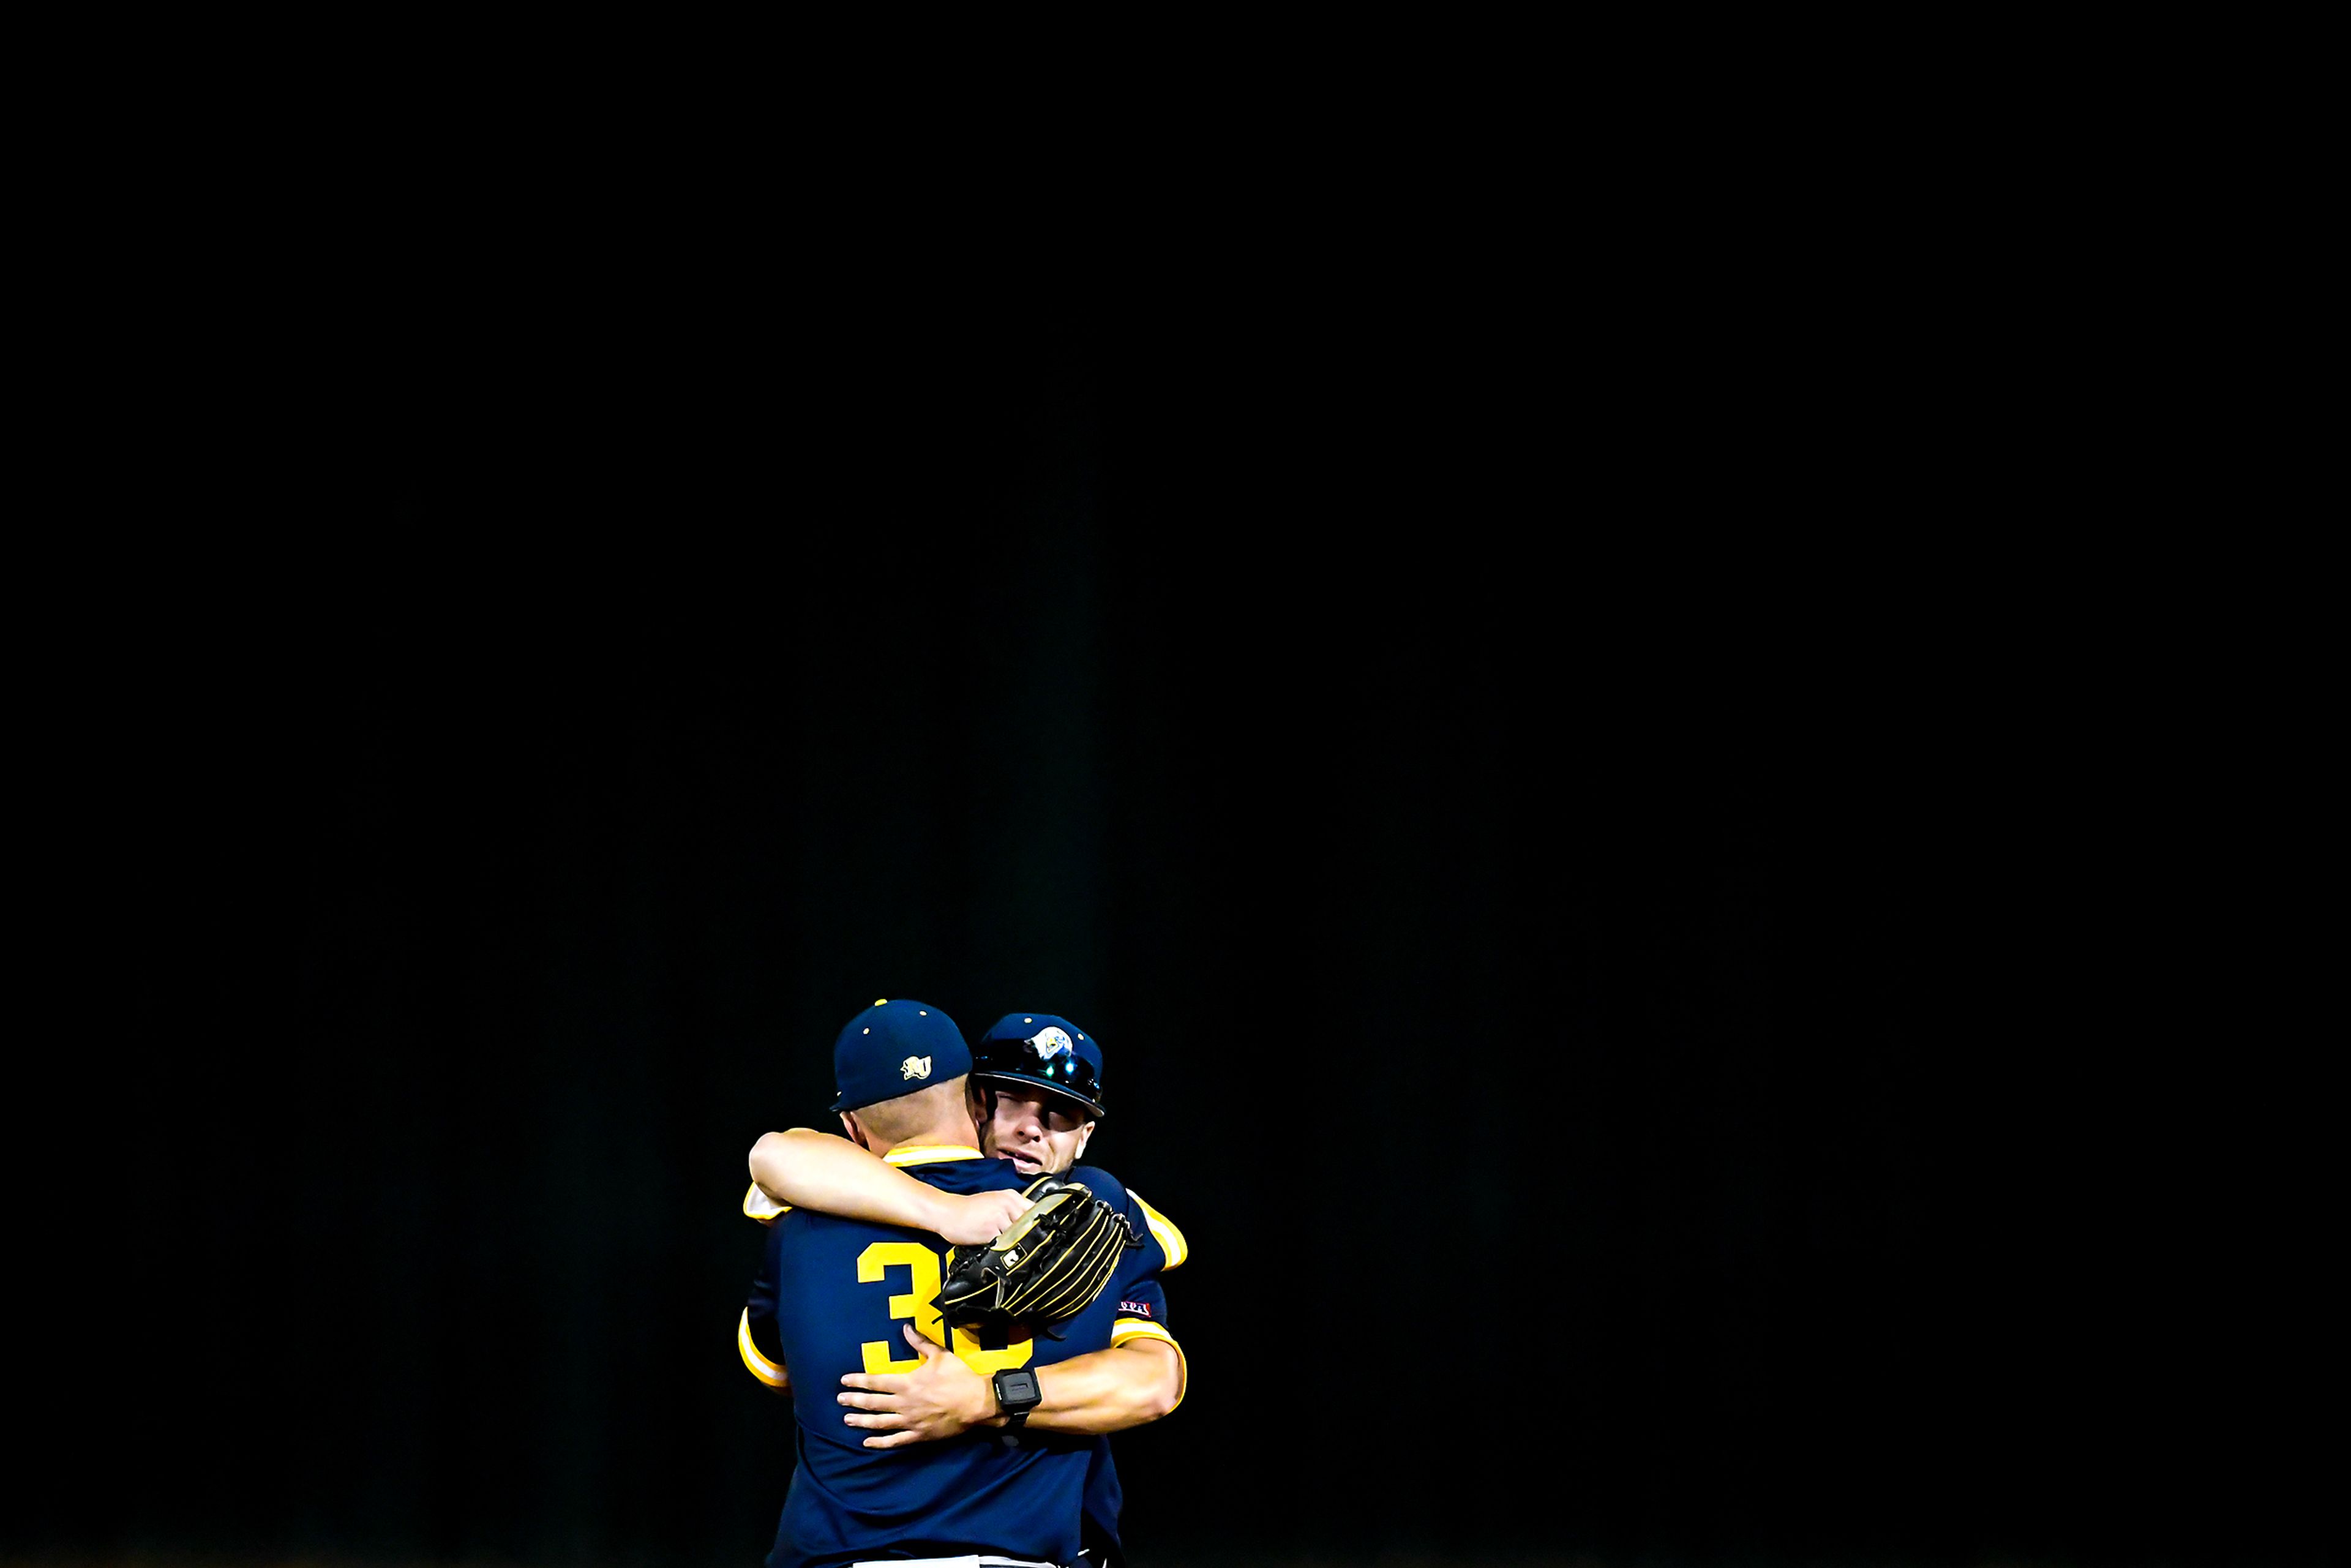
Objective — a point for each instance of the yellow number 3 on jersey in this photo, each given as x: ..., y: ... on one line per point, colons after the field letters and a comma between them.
x: 920, y: 1303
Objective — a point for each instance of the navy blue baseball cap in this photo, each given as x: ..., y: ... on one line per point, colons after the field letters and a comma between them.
x: 895, y: 1048
x: 1046, y: 1051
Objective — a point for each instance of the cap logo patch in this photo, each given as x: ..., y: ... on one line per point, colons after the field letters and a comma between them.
x: 1049, y: 1042
x: 915, y: 1067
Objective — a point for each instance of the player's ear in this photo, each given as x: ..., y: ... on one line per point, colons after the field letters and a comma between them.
x: 852, y: 1131
x: 1085, y: 1135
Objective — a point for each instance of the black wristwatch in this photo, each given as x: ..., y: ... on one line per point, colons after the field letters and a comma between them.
x: 1017, y: 1392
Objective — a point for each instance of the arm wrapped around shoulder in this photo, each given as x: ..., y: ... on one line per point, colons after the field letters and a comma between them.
x: 1050, y: 1266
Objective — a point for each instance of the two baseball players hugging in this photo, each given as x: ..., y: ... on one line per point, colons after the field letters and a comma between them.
x: 957, y: 1325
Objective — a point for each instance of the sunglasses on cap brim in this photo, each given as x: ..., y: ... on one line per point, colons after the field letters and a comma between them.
x: 1064, y: 1070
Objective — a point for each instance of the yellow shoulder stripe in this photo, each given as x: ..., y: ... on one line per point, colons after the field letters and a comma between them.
x: 1137, y: 1328
x: 926, y: 1154
x: 1162, y: 1229
x: 758, y: 1206
x: 1126, y: 1329
x: 765, y: 1371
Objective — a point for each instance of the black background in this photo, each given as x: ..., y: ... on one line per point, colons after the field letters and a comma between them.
x: 1698, y: 996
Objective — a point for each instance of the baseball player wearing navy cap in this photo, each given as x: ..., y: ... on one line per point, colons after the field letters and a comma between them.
x: 1042, y: 1076
x: 1039, y: 1079
x: 832, y: 1288
x: 889, y: 1051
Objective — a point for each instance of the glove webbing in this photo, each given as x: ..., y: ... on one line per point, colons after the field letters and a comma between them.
x: 1075, y: 1278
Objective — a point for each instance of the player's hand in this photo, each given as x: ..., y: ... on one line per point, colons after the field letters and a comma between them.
x: 976, y: 1218
x: 942, y: 1398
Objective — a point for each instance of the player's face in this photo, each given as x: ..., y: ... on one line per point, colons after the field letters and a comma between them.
x: 1037, y: 1132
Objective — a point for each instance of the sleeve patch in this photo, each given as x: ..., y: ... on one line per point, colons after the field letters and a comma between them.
x: 1140, y: 1308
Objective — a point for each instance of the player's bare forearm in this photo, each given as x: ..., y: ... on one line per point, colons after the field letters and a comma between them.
x: 1109, y: 1390
x: 1106, y: 1391
x: 814, y: 1170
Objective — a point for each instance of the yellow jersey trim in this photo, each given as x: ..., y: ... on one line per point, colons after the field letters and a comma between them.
x: 1171, y: 1240
x: 765, y: 1371
x: 1126, y: 1329
x: 758, y: 1206
x: 928, y: 1153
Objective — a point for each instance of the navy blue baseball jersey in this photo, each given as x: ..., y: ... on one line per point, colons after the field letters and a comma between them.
x: 1142, y: 1314
x: 832, y: 1299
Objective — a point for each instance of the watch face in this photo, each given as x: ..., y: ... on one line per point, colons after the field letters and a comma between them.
x: 1019, y: 1386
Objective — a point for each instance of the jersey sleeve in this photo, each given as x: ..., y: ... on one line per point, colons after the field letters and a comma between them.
x: 1142, y: 1300
x: 758, y: 1206
x: 1142, y: 1315
x: 756, y: 1339
x: 1141, y: 1312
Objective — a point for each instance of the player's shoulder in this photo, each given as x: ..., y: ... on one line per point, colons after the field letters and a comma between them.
x: 1162, y: 1229
x: 1103, y: 1184
x: 1145, y: 1219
